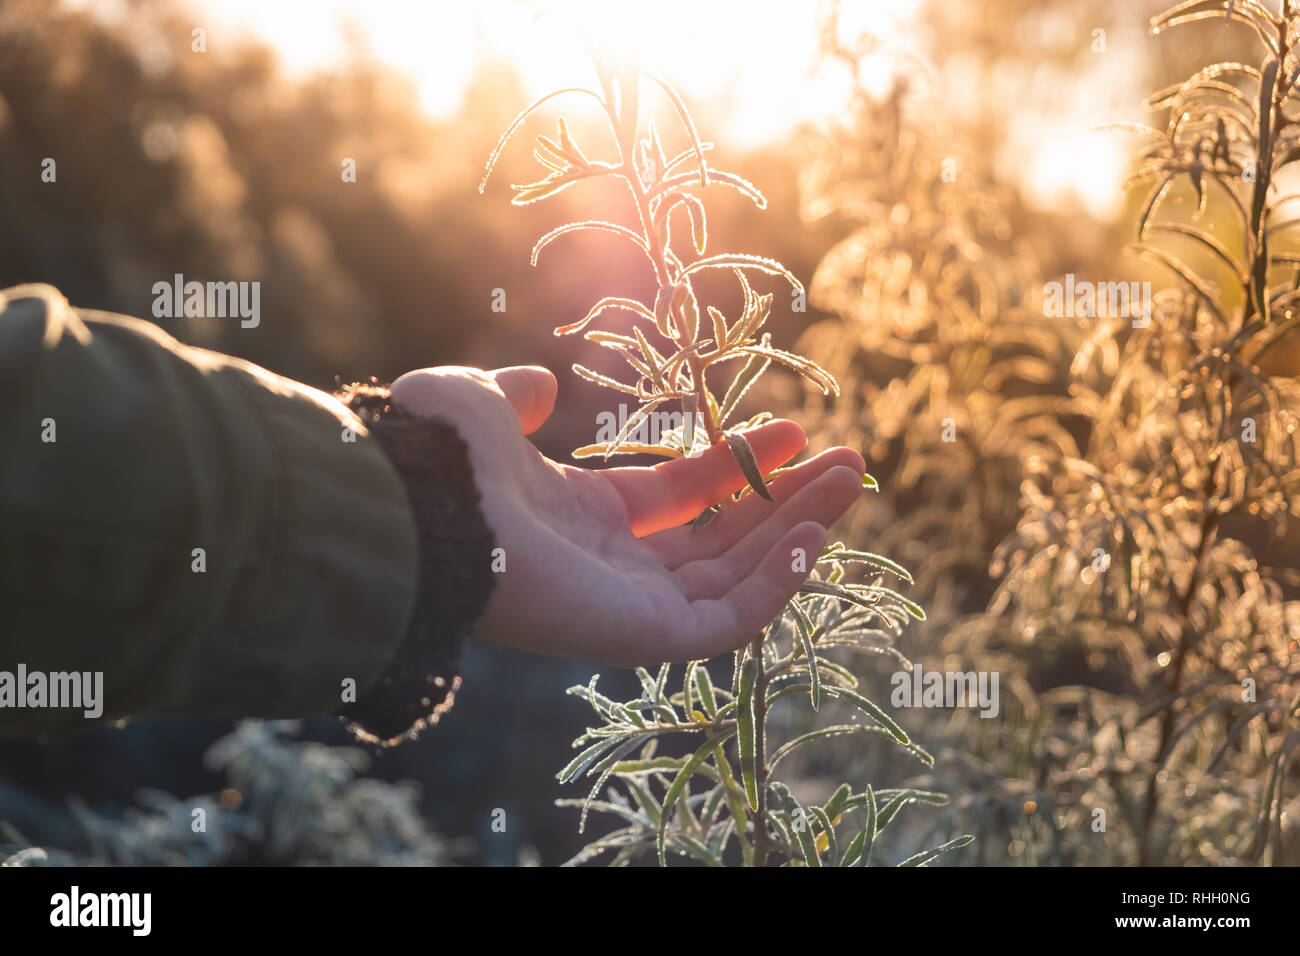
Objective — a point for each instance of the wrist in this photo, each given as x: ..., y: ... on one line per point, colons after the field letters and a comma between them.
x: 454, y: 576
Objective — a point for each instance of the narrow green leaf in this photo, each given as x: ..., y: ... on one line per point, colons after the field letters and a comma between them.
x: 595, y: 224
x: 800, y: 824
x: 902, y: 795
x: 606, y: 767
x: 908, y: 605
x: 718, y: 838
x: 634, y: 422
x: 689, y: 310
x: 853, y: 852
x: 719, y: 325
x: 921, y: 859
x: 743, y: 261
x: 696, y: 849
x: 606, y: 806
x: 758, y: 309
x: 699, y: 224
x: 519, y: 120
x: 644, y: 799
x: 647, y: 683
x: 569, y: 146
x: 867, y: 557
x: 870, y: 830
x: 606, y: 303
x: 704, y: 687
x: 663, y: 304
x: 735, y: 801
x: 805, y: 367
x: 1259, y: 274
x: 643, y: 765
x: 661, y: 682
x: 813, y: 586
x: 746, y: 730
x: 599, y: 379
x: 870, y: 709
x: 744, y: 455
x: 608, y: 448
x: 678, y: 785
x: 690, y: 409
x: 560, y: 154
x: 1208, y: 241
x: 579, y: 764
x: 837, y: 673
x: 738, y: 183
x: 684, y: 116
x: 651, y: 354
x: 704, y: 517
x: 1152, y: 203
x: 599, y: 702
x: 837, y: 730
x: 832, y: 848
x: 804, y: 626
x: 879, y: 591
x: 740, y: 385
x: 528, y: 193
x: 835, y: 805
x: 890, y: 810
x: 712, y: 803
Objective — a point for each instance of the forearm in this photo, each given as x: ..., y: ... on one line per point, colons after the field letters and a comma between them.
x: 214, y: 539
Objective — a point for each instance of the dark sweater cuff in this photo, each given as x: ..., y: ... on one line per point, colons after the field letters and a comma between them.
x: 454, y: 577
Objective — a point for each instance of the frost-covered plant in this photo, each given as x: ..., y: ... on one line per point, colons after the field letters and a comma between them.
x: 719, y: 800
x: 1151, y: 550
x: 954, y: 382
x: 286, y: 802
x: 930, y: 291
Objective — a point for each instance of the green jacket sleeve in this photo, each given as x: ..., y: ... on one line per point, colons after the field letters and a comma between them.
x: 213, y: 539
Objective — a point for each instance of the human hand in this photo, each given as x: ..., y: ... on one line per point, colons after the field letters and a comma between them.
x: 600, y: 564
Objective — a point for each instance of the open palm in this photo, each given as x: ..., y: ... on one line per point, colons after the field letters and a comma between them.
x: 600, y: 564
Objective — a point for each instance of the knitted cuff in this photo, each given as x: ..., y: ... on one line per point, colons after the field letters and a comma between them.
x: 455, y: 578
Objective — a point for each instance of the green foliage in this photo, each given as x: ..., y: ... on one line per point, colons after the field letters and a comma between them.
x: 677, y: 371
x: 714, y: 800
x: 286, y: 802
x: 955, y: 387
x: 927, y: 295
x: 1193, y: 453
x: 1142, y: 598
x: 707, y: 803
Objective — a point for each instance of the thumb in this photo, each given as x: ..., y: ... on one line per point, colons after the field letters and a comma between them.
x: 531, y: 390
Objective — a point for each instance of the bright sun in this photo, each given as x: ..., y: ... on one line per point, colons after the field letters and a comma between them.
x: 757, y: 59
x: 754, y: 65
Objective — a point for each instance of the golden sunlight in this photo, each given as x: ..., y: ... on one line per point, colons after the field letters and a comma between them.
x: 756, y: 65
x: 759, y: 60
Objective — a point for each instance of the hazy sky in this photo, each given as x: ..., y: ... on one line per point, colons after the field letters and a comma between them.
x: 754, y: 56
x: 764, y: 49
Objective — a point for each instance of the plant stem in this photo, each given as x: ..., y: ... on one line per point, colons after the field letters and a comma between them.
x: 660, y: 261
x: 1151, y: 801
x: 705, y: 411
x: 762, y: 842
x: 1210, y: 519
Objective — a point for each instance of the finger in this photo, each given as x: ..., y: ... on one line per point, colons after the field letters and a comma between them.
x: 531, y: 390
x: 676, y: 491
x: 724, y: 624
x: 676, y: 546
x: 821, y: 501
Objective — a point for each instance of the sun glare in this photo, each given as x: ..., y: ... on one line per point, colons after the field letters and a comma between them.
x: 753, y: 68
x: 757, y: 61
